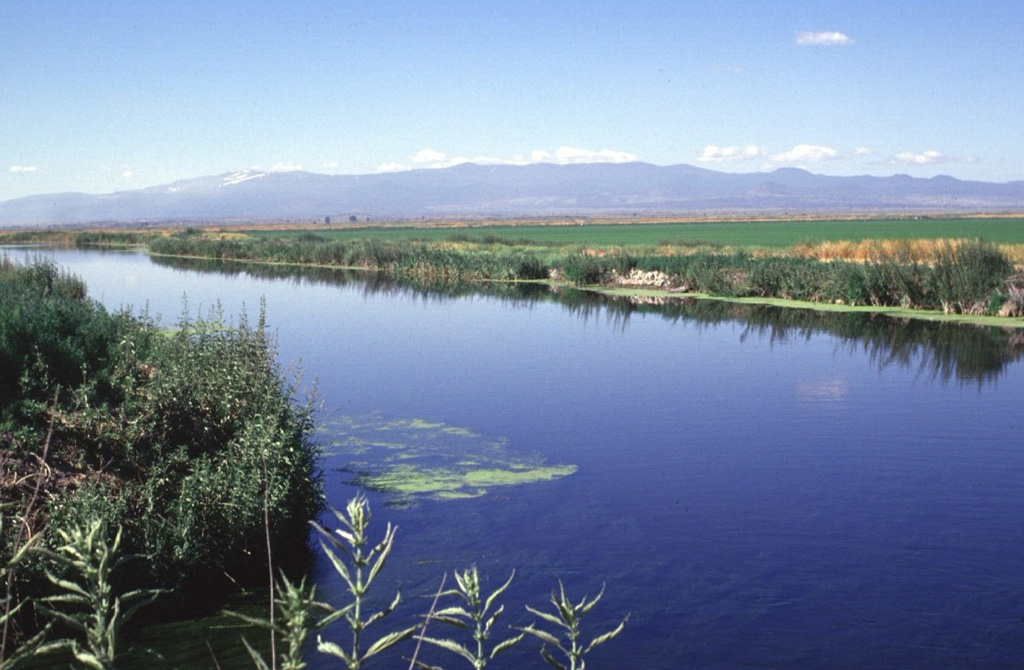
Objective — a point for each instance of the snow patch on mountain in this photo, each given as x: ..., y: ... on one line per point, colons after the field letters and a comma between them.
x: 239, y: 177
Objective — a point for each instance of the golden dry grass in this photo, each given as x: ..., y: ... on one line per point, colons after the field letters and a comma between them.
x: 903, y: 251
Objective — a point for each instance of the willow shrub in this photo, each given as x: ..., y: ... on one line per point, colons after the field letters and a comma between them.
x: 182, y: 438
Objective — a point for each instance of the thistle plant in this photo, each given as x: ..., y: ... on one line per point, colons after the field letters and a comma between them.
x: 296, y: 608
x: 567, y: 619
x: 358, y: 567
x: 475, y: 617
x: 95, y: 612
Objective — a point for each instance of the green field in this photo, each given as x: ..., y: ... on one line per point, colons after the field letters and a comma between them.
x: 729, y: 233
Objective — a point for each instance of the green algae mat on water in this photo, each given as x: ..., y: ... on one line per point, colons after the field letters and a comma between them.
x: 413, y: 459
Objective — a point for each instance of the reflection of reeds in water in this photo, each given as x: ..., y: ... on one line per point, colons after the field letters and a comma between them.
x: 943, y: 351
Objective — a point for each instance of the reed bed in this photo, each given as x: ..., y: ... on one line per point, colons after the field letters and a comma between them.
x: 955, y: 276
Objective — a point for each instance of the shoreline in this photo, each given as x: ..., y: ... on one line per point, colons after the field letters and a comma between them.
x: 894, y: 312
x: 622, y: 291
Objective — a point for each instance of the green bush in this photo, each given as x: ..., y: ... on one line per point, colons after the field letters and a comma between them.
x: 967, y: 274
x: 185, y: 438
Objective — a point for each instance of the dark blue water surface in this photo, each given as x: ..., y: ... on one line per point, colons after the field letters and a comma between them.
x: 753, y: 496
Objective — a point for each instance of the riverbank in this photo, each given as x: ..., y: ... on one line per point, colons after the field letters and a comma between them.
x: 661, y: 296
x: 942, y: 278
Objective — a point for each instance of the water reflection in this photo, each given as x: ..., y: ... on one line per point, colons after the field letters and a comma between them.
x: 939, y: 351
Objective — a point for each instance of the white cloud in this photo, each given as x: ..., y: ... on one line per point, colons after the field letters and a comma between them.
x: 730, y: 154
x: 331, y: 165
x: 429, y: 156
x: 823, y: 39
x: 24, y: 168
x: 564, y: 155
x: 286, y: 167
x: 127, y: 174
x: 922, y: 158
x: 806, y: 153
x: 862, y: 151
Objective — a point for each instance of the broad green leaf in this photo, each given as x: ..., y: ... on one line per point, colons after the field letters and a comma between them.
x: 335, y: 615
x: 501, y: 589
x: 386, y: 611
x: 490, y: 622
x: 550, y: 618
x: 388, y: 542
x: 451, y: 621
x: 452, y: 646
x: 455, y: 610
x: 507, y: 644
x: 333, y: 649
x: 601, y: 639
x: 389, y: 641
x: 339, y: 567
x: 551, y: 659
x: 68, y: 586
x: 543, y: 635
x: 88, y: 659
x: 586, y: 607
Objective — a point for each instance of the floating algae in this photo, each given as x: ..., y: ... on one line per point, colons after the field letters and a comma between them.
x: 414, y: 459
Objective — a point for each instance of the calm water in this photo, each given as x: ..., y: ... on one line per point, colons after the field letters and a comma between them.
x: 757, y: 489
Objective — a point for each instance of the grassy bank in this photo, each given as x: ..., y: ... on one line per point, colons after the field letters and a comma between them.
x: 916, y: 265
x: 954, y: 277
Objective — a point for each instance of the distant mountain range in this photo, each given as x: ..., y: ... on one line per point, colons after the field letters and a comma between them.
x: 469, y: 190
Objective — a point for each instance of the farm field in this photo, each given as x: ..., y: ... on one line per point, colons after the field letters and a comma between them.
x: 775, y: 233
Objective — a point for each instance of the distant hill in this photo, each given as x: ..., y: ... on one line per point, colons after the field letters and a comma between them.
x: 470, y: 190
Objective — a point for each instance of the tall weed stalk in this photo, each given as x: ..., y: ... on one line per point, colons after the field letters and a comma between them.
x: 87, y: 603
x: 474, y: 616
x: 358, y: 566
x: 566, y: 639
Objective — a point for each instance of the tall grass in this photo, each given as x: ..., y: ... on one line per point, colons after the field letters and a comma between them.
x: 963, y: 276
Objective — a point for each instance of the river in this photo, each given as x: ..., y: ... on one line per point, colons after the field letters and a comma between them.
x: 755, y: 487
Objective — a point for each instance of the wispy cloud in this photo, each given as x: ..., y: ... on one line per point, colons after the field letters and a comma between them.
x: 731, y: 154
x: 806, y: 153
x: 286, y: 167
x: 392, y: 167
x: 24, y: 168
x: 823, y: 39
x: 922, y: 158
x: 127, y: 174
x: 431, y: 158
x: 566, y: 155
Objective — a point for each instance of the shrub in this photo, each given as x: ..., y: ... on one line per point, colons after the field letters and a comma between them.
x: 180, y: 438
x: 968, y: 273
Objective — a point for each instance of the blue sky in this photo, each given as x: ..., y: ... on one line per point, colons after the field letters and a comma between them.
x: 106, y: 95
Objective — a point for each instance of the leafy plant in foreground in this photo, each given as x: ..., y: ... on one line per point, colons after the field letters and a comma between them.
x: 96, y: 613
x: 296, y: 605
x: 473, y: 617
x: 346, y: 546
x: 567, y: 618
